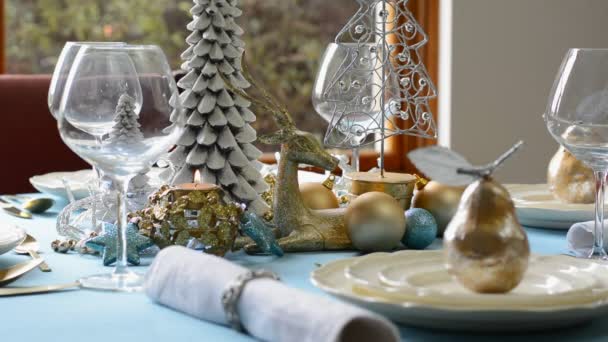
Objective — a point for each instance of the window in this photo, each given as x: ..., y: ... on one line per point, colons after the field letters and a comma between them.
x: 285, y: 39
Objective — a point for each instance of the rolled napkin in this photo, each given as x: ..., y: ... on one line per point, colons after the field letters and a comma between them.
x: 193, y: 283
x: 580, y: 238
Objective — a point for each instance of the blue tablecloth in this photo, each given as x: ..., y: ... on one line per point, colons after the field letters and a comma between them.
x: 91, y: 316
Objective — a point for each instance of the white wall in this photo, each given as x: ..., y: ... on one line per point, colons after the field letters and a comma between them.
x: 504, y: 56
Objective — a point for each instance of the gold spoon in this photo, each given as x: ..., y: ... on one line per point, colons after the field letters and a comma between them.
x: 35, y: 205
x: 38, y: 205
x: 8, y: 275
x: 22, y: 291
x: 31, y: 246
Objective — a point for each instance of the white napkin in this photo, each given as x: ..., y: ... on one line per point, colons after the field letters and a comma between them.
x: 580, y: 238
x: 192, y: 282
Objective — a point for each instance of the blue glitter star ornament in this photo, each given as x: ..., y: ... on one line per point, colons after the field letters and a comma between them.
x: 261, y: 234
x: 106, y: 244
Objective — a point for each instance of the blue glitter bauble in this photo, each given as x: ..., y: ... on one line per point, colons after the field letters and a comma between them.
x: 421, y: 229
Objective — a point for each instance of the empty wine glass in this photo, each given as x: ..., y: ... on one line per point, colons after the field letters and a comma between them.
x: 115, y: 114
x: 348, y: 90
x: 577, y: 117
x: 62, y: 70
x: 60, y: 75
x: 99, y: 76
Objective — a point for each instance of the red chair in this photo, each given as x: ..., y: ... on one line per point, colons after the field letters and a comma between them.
x: 28, y: 134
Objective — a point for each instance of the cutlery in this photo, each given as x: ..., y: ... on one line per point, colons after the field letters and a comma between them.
x: 11, y: 209
x: 21, y: 291
x: 31, y: 246
x: 8, y: 275
x: 34, y: 205
x: 38, y: 205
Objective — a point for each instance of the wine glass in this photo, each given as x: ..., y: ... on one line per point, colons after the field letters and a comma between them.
x: 62, y: 70
x: 348, y: 90
x: 123, y: 96
x: 577, y: 117
x: 60, y: 76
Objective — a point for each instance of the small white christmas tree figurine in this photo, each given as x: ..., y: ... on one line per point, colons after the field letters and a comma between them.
x: 127, y: 128
x: 219, y: 139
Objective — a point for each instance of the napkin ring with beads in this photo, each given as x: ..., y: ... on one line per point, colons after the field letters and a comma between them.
x: 233, y: 291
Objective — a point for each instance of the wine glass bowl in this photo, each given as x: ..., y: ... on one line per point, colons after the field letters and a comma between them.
x: 348, y: 93
x: 62, y: 69
x: 336, y: 90
x: 577, y: 118
x: 116, y: 114
x: 100, y: 76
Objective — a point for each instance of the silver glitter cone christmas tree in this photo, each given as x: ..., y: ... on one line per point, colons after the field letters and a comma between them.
x: 219, y: 139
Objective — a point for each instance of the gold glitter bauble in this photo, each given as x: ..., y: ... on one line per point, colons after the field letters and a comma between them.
x: 268, y: 216
x: 569, y: 179
x: 375, y: 222
x: 440, y: 200
x: 317, y: 196
x: 486, y: 248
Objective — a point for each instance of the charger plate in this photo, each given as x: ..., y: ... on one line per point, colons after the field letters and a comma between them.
x: 10, y: 237
x: 413, y: 287
x: 536, y: 207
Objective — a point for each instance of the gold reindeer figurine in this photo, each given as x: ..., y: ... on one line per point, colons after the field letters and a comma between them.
x: 303, y: 229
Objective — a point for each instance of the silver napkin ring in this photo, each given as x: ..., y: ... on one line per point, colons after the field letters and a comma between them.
x: 233, y: 291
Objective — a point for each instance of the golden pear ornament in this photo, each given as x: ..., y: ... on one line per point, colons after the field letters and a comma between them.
x: 569, y: 179
x: 375, y: 222
x: 440, y: 200
x: 486, y: 248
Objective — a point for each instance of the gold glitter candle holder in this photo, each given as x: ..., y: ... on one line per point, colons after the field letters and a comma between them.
x: 398, y: 185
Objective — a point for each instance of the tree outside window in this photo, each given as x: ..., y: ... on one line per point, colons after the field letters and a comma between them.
x: 285, y: 38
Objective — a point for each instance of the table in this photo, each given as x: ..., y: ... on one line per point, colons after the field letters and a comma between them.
x: 91, y: 316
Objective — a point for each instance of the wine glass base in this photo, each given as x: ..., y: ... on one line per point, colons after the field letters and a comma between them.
x: 128, y: 282
x: 597, y: 253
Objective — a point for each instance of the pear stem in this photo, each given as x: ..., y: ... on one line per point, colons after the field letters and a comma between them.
x: 487, y: 170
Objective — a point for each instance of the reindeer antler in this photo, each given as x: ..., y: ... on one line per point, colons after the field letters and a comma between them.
x: 279, y: 112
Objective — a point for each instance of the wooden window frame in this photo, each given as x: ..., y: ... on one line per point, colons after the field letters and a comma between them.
x: 2, y: 39
x: 427, y: 14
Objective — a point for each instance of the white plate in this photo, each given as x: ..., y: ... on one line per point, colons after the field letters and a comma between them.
x: 536, y: 207
x: 52, y: 183
x: 559, y: 291
x: 10, y: 237
x: 421, y: 276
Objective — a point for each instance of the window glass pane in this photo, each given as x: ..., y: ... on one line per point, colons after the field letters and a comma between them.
x: 285, y: 38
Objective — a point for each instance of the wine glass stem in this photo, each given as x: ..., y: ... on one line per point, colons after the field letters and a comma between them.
x: 96, y: 188
x: 355, y: 159
x: 598, y: 243
x: 122, y: 185
x: 98, y: 172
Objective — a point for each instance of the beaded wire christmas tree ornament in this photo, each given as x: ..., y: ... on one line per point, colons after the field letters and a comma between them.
x: 382, y: 79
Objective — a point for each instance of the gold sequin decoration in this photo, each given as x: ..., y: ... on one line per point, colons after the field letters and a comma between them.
x: 175, y: 217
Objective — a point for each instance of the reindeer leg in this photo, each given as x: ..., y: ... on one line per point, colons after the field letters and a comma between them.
x: 304, y: 239
x: 242, y: 242
x: 297, y: 241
